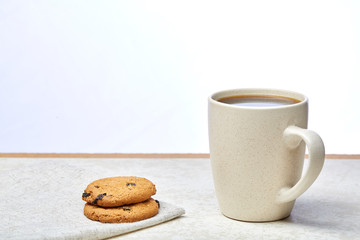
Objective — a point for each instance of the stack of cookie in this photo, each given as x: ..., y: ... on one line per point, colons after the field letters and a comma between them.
x: 120, y: 199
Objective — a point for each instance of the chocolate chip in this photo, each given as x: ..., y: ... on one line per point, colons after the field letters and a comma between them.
x: 85, y: 194
x: 96, y: 186
x: 126, y: 208
x: 99, y: 197
x: 130, y: 184
x: 157, y: 203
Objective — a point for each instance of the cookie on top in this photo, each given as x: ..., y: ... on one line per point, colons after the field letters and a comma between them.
x: 118, y: 191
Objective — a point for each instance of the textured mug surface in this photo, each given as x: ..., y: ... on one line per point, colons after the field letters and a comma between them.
x: 257, y: 155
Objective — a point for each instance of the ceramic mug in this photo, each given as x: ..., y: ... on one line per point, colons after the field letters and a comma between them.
x: 257, y: 154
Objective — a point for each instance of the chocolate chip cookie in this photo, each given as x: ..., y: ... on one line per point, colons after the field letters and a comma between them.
x: 118, y: 191
x: 126, y: 213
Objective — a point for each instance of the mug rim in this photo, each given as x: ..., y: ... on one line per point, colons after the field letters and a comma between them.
x: 213, y: 98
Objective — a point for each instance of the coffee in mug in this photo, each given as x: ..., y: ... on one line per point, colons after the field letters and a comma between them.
x: 257, y: 143
x: 258, y: 100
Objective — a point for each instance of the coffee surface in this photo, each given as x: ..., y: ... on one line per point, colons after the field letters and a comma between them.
x: 258, y: 100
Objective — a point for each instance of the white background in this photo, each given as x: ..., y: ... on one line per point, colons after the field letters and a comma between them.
x: 134, y: 76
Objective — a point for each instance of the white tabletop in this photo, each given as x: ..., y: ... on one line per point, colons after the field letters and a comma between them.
x: 328, y: 210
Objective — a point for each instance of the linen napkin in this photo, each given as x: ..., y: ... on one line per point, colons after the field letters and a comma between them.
x: 43, y: 201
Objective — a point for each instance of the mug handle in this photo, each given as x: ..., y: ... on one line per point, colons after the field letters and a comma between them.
x: 293, y: 135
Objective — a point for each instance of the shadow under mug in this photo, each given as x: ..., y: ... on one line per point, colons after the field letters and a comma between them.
x: 257, y: 154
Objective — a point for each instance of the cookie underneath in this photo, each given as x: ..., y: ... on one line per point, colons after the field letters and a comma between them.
x: 118, y: 191
x: 127, y: 213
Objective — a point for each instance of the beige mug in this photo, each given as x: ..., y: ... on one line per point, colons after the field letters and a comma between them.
x: 257, y: 152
